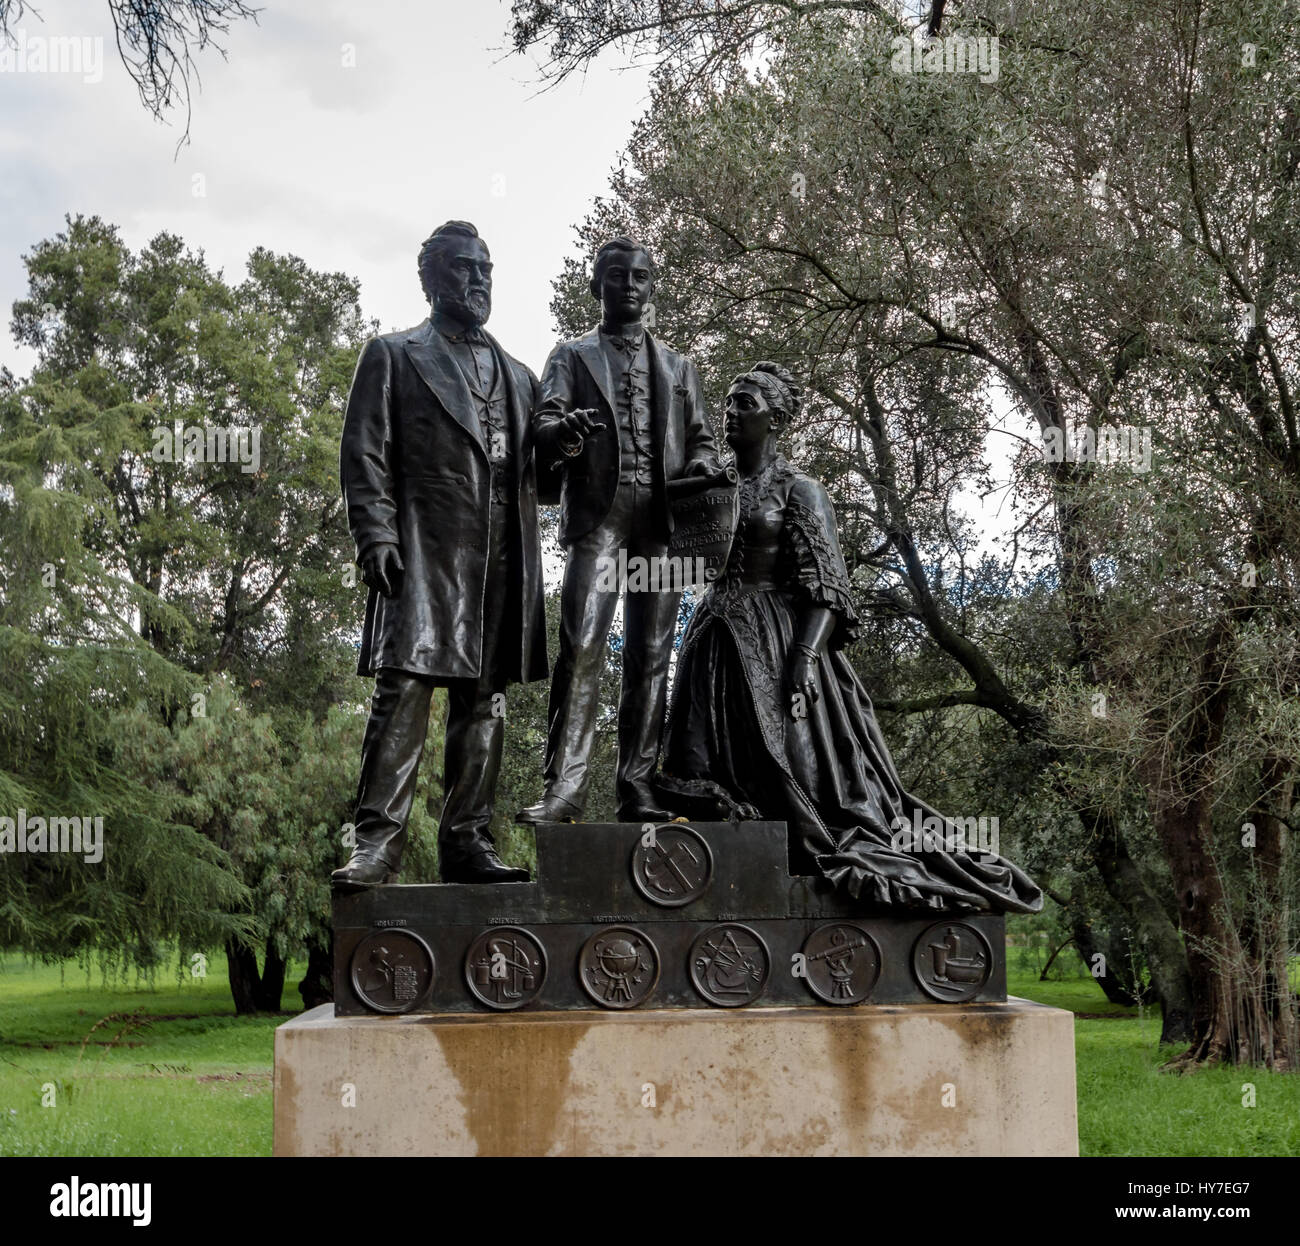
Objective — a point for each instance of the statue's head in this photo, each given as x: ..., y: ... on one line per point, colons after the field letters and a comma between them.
x: 456, y: 273
x: 623, y: 279
x: 760, y: 403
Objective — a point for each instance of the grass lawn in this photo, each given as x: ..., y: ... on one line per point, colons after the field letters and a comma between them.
x: 1128, y: 1107
x: 195, y: 1079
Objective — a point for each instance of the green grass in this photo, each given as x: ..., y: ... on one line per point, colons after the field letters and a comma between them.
x: 1127, y: 1106
x: 196, y: 1080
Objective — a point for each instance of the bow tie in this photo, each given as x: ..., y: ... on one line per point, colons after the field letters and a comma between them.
x: 475, y: 337
x: 627, y: 344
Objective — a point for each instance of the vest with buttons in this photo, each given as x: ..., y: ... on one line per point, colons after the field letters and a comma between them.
x: 630, y: 369
x: 488, y: 391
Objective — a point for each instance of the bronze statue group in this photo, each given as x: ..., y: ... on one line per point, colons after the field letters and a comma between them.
x: 450, y: 445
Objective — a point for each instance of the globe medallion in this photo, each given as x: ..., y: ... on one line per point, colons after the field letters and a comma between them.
x: 619, y: 967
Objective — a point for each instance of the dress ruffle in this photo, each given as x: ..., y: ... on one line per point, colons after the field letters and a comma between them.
x: 816, y: 569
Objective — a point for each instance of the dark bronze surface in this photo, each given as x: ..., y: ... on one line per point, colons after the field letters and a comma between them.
x: 621, y: 416
x: 730, y: 965
x: 440, y: 484
x: 619, y: 967
x: 584, y: 887
x: 505, y: 968
x: 952, y: 961
x: 841, y: 963
x: 768, y: 717
x: 704, y: 511
x: 392, y: 970
x: 671, y: 865
x: 816, y: 892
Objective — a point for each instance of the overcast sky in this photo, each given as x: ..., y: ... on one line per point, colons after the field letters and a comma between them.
x: 348, y: 166
x: 339, y: 131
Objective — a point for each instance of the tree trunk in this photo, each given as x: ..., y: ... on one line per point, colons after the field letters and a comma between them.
x: 253, y: 991
x: 1182, y: 826
x: 271, y: 987
x: 1267, y: 935
x: 1157, y: 935
x: 1117, y: 981
x: 317, y: 985
x: 1181, y: 783
x: 241, y: 969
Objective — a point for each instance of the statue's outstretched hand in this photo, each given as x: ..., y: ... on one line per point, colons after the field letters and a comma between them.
x: 382, y: 569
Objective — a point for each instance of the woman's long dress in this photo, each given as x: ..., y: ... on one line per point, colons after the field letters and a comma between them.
x: 827, y: 773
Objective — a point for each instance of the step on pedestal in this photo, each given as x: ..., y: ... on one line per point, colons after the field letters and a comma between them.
x: 666, y: 916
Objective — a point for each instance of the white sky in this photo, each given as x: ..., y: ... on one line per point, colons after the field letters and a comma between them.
x: 349, y: 168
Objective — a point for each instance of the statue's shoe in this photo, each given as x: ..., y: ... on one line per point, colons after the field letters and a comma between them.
x: 483, y: 867
x: 644, y: 806
x: 646, y: 812
x: 549, y: 809
x: 362, y: 870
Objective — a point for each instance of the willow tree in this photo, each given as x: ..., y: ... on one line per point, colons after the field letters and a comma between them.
x: 177, y: 546
x: 75, y: 663
x: 1089, y: 225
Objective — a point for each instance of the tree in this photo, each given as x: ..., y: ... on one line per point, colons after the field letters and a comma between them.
x: 191, y: 428
x: 1099, y: 240
x: 75, y: 666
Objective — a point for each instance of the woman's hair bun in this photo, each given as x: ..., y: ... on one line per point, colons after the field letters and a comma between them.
x: 791, y: 390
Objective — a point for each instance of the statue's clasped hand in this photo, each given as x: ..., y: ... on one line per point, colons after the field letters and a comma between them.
x: 382, y: 570
x: 703, y: 467
x: 572, y: 429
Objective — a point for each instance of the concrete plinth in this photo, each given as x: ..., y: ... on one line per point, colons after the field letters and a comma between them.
x: 971, y: 1079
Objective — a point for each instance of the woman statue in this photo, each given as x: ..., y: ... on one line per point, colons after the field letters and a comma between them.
x: 768, y: 719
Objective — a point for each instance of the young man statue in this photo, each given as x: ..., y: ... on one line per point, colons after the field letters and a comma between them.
x: 623, y: 415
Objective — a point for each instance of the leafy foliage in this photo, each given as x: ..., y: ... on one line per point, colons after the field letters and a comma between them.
x: 180, y: 628
x: 1098, y: 237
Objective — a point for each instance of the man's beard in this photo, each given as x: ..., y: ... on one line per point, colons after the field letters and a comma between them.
x: 472, y: 310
